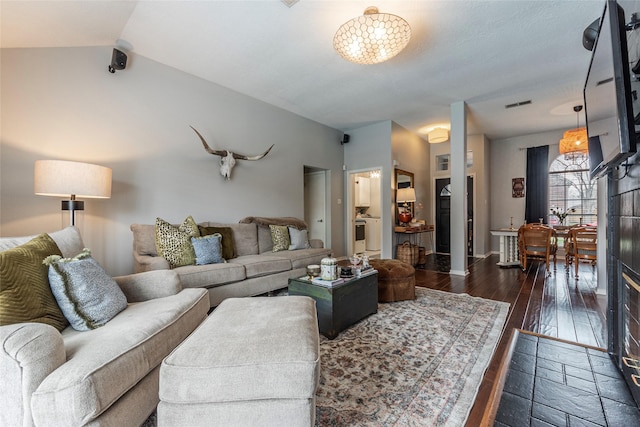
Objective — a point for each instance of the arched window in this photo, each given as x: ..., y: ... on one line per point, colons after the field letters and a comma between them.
x: 572, y: 191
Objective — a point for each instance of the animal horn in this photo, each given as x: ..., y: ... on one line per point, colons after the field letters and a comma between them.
x: 258, y: 157
x: 221, y: 153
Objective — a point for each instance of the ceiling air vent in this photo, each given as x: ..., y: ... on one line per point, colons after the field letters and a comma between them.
x: 518, y: 104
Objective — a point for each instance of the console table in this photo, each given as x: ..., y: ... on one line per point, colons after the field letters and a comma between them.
x: 508, y: 247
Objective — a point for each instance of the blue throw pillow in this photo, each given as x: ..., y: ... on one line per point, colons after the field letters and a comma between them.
x: 208, y: 249
x: 86, y: 294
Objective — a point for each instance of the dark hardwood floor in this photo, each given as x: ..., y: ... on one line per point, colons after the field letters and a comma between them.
x: 557, y: 305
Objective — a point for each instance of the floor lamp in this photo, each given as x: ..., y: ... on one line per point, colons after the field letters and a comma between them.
x: 61, y: 178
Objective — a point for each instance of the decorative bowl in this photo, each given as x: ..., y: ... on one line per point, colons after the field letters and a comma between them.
x: 313, y: 270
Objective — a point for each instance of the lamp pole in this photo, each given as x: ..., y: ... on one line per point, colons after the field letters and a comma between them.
x: 72, y: 206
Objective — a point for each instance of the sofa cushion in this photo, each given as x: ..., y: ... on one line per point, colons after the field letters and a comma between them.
x: 197, y: 276
x: 228, y: 249
x: 102, y: 364
x: 25, y: 295
x: 280, y: 237
x: 303, y: 257
x: 208, y: 249
x: 86, y: 294
x: 245, y: 237
x: 174, y: 243
x: 144, y: 239
x: 265, y: 244
x: 262, y: 265
x: 68, y: 240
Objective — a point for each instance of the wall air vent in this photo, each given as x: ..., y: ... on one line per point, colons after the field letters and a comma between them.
x: 518, y: 104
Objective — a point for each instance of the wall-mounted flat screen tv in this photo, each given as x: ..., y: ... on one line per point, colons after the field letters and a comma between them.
x: 608, y: 92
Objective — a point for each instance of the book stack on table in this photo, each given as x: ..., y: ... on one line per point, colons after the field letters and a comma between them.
x: 341, y: 280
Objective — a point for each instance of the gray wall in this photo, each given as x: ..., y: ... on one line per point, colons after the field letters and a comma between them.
x: 411, y: 153
x: 370, y: 147
x: 509, y: 160
x: 63, y: 104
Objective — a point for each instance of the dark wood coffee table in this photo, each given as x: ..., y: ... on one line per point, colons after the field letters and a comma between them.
x: 341, y: 306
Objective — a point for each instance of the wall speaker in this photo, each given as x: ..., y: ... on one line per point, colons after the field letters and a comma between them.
x: 118, y: 61
x: 345, y: 139
x: 590, y: 34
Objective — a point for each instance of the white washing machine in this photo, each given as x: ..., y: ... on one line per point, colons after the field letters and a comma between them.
x: 372, y: 234
x: 360, y: 236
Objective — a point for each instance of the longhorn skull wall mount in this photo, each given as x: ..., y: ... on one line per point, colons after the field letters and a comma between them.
x: 228, y: 158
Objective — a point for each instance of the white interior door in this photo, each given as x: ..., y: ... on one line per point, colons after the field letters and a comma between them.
x: 315, y: 193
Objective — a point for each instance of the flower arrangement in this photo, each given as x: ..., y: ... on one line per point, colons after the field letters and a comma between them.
x: 561, y: 214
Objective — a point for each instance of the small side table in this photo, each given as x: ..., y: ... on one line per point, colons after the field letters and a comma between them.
x: 508, y: 247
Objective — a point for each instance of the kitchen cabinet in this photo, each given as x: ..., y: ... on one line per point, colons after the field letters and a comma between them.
x: 363, y: 192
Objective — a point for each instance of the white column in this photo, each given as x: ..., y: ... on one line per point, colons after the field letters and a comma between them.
x: 459, y: 265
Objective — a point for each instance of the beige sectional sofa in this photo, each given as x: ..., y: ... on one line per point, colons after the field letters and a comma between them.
x: 102, y: 377
x: 255, y: 270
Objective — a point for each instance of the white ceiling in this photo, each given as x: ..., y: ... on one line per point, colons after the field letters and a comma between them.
x: 487, y: 53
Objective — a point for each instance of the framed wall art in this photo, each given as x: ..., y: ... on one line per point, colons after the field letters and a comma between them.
x: 517, y: 185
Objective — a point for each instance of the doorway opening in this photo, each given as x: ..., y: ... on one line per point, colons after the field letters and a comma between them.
x: 316, y: 195
x: 443, y: 215
x: 364, y: 212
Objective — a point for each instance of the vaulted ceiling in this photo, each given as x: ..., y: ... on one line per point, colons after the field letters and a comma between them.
x: 487, y: 53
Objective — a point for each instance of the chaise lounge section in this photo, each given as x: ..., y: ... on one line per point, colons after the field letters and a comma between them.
x: 101, y: 377
x: 255, y: 270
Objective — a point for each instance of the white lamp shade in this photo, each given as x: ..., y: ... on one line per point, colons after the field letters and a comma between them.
x: 438, y: 135
x: 406, y: 195
x: 64, y: 178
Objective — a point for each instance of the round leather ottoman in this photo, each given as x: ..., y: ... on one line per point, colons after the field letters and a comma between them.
x: 396, y: 280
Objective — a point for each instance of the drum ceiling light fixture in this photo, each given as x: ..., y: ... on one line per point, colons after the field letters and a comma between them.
x: 438, y: 135
x: 575, y: 140
x: 372, y: 38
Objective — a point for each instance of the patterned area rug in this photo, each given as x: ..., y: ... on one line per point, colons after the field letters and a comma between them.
x: 413, y: 363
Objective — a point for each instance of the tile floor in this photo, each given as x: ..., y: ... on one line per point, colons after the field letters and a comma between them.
x: 551, y: 383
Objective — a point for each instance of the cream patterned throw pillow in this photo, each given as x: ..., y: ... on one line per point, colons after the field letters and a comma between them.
x: 280, y: 237
x: 174, y: 243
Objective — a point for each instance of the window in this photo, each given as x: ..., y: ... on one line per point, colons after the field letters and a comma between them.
x: 571, y: 189
x: 442, y: 161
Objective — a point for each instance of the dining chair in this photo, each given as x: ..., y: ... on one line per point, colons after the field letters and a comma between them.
x: 582, y: 244
x: 537, y: 241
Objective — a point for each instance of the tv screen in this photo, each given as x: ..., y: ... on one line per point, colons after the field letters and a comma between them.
x: 608, y: 92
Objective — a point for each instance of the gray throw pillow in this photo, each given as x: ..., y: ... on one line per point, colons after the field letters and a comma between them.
x: 299, y: 239
x: 208, y: 249
x: 86, y: 294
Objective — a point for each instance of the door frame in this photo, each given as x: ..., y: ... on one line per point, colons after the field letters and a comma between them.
x: 309, y: 170
x: 475, y: 203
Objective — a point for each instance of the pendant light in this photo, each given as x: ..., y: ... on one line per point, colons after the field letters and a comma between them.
x: 575, y: 140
